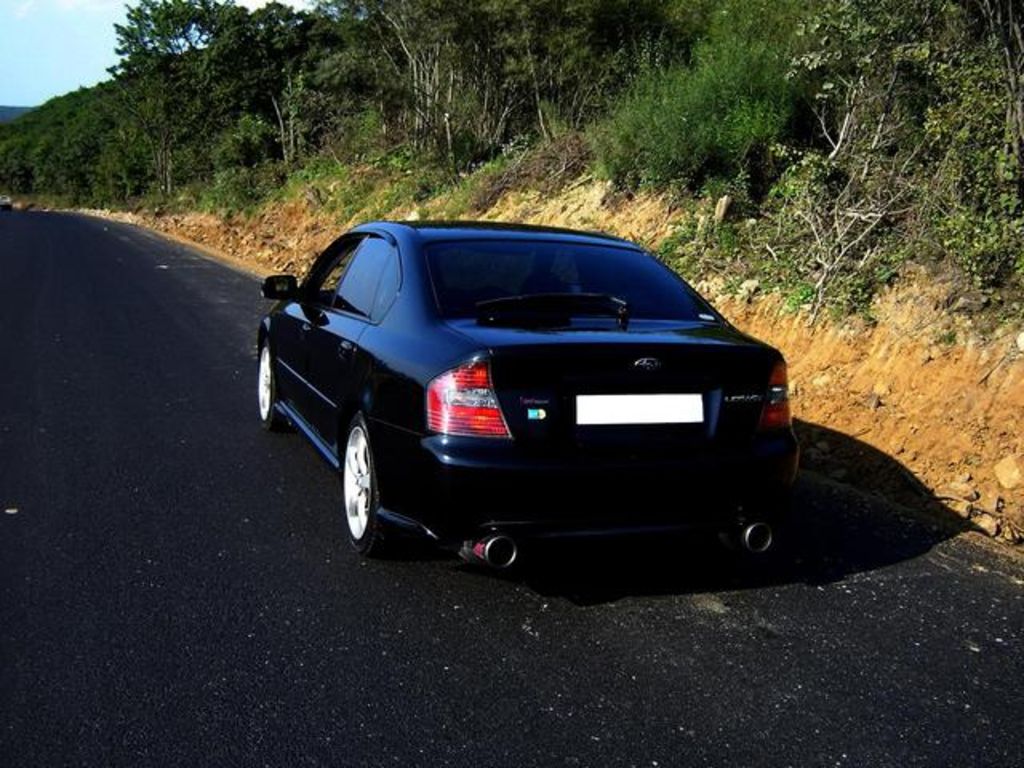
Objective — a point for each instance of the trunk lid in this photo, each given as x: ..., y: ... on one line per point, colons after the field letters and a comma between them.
x: 541, y: 375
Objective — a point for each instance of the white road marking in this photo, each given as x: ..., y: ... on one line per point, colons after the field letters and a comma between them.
x: 162, y: 266
x: 11, y: 511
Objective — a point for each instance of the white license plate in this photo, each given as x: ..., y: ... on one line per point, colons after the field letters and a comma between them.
x: 639, y: 409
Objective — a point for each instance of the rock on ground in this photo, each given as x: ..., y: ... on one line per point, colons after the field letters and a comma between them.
x: 1008, y: 473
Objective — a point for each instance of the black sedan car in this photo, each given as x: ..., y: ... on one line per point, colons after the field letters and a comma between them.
x: 482, y: 384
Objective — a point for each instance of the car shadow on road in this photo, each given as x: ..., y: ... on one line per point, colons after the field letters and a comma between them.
x: 855, y: 509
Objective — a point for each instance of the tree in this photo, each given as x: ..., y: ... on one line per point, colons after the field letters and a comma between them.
x: 159, y: 46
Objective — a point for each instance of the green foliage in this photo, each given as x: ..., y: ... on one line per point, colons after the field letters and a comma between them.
x: 715, y: 118
x: 248, y: 143
x: 988, y: 248
x: 850, y: 135
x: 798, y: 295
x: 358, y: 137
x: 240, y: 189
x: 978, y: 215
x: 66, y: 149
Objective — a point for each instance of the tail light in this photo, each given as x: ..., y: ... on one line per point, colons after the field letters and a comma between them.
x: 462, y: 402
x: 776, y: 413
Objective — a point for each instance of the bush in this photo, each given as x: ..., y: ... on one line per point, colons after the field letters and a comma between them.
x: 241, y: 189
x: 717, y: 117
x: 988, y: 248
x: 247, y: 144
x: 357, y: 137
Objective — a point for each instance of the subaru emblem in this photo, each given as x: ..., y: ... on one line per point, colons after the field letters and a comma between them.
x: 647, y: 364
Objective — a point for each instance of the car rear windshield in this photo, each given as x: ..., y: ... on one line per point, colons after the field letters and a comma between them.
x: 466, y: 272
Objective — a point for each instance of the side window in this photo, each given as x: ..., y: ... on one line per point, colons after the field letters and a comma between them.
x: 324, y: 286
x: 358, y: 289
x: 330, y: 284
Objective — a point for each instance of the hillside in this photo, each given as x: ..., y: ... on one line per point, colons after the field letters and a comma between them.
x: 7, y: 114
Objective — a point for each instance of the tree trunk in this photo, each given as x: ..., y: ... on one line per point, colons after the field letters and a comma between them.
x: 282, y: 133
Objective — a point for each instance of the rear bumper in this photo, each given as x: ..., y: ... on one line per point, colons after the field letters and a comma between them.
x: 466, y: 486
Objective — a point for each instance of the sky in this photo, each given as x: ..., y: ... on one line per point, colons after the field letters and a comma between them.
x: 51, y: 47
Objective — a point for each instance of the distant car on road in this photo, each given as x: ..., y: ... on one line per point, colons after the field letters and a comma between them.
x: 481, y: 385
x: 6, y: 204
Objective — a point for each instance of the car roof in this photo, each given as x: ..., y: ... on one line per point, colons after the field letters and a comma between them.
x: 430, y: 231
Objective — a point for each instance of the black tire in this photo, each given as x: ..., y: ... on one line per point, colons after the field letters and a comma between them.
x: 359, y: 486
x: 270, y: 419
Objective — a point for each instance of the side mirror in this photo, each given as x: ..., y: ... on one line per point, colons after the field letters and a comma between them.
x: 280, y: 287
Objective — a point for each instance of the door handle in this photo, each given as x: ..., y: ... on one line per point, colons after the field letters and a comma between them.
x: 345, y: 348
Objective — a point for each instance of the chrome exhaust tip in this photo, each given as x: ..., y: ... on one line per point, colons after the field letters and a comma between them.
x: 757, y: 538
x: 497, y: 551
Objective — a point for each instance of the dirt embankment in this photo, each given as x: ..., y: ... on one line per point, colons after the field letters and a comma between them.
x: 917, y: 416
x: 915, y: 407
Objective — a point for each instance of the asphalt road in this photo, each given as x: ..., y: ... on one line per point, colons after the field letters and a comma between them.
x: 176, y: 589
